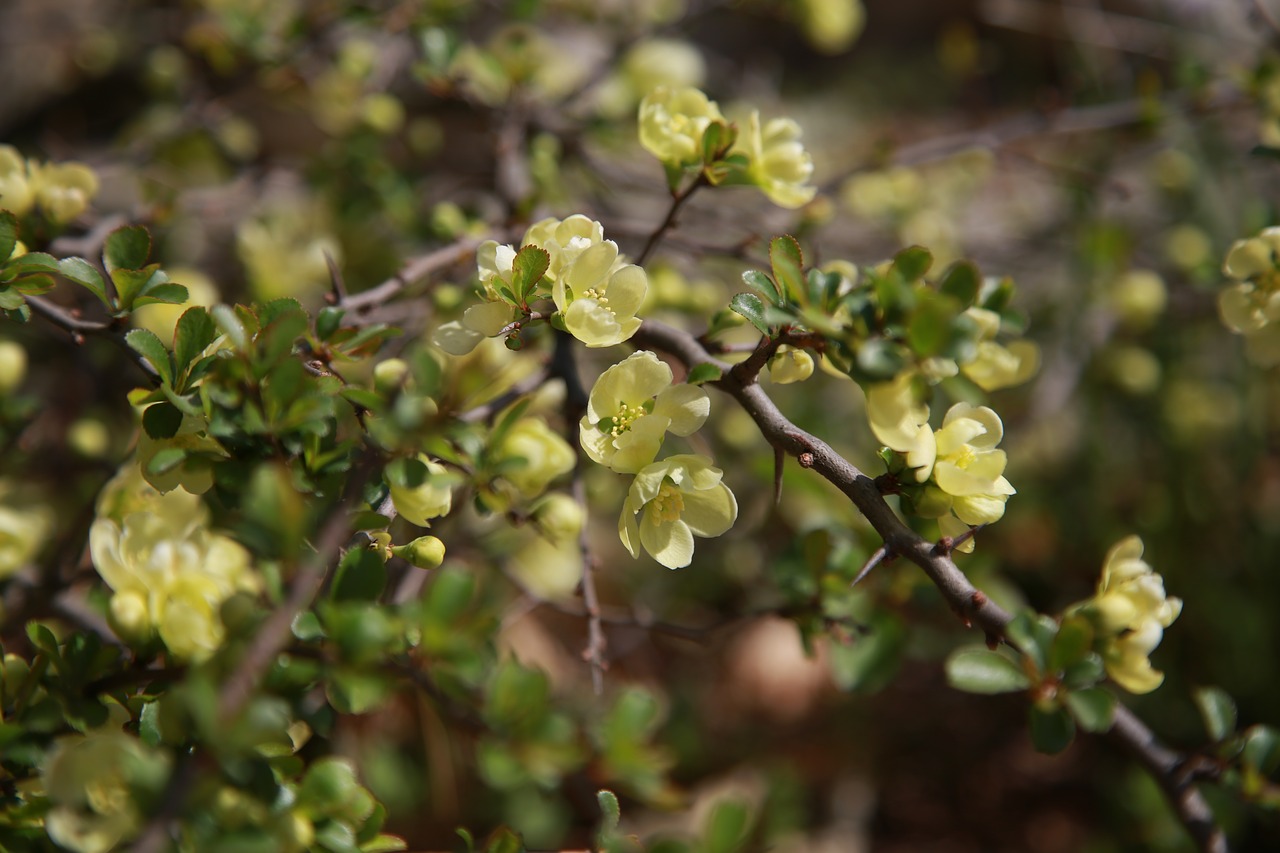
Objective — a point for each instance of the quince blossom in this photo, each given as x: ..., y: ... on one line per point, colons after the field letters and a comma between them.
x: 564, y: 240
x: 676, y: 499
x: 900, y: 422
x: 776, y: 160
x: 1130, y: 612
x: 632, y: 406
x: 166, y: 569
x: 672, y: 122
x: 968, y: 467
x: 790, y: 364
x: 998, y: 366
x: 1251, y: 305
x: 598, y: 299
x: 429, y: 499
x: 537, y: 455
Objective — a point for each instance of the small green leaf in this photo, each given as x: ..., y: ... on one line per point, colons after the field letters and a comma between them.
x: 1262, y: 748
x: 86, y: 275
x: 127, y: 248
x: 149, y: 346
x: 750, y: 306
x: 328, y: 320
x: 130, y: 284
x: 194, y: 332
x: 788, y: 262
x: 1034, y: 634
x: 1094, y: 708
x: 1073, y: 642
x: 11, y: 299
x: 980, y: 670
x: 161, y: 420
x: 705, y: 372
x: 929, y: 329
x: 226, y: 319
x: 31, y: 262
x: 166, y: 460
x: 1086, y: 672
x: 715, y: 141
x: 912, y: 263
x: 727, y: 827
x: 868, y: 663
x: 610, y: 811
x: 879, y: 360
x: 361, y: 576
x: 1218, y: 710
x: 527, y: 269
x: 1051, y: 731
x: 762, y: 284
x: 8, y: 234
x: 33, y: 285
x: 162, y: 293
x: 962, y: 281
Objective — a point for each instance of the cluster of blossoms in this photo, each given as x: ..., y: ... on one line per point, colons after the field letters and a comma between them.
x: 60, y: 191
x: 168, y: 572
x: 956, y: 473
x: 1129, y: 613
x: 595, y: 291
x: 673, y: 122
x: 632, y: 407
x: 1251, y: 305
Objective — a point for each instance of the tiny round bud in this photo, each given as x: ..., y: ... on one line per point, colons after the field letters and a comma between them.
x: 425, y: 552
x: 13, y: 365
x: 89, y: 437
x: 389, y: 375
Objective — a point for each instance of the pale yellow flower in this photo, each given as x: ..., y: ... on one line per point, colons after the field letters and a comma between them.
x: 24, y: 527
x: 900, y: 422
x: 831, y: 25
x: 599, y: 299
x: 418, y: 503
x: 1130, y: 612
x: 1251, y: 305
x: 994, y: 365
x: 632, y: 407
x: 968, y: 467
x: 535, y: 455
x: 673, y: 121
x: 17, y: 194
x: 776, y: 160
x: 564, y: 240
x: 168, y: 572
x: 676, y: 499
x: 790, y: 364
x: 64, y: 190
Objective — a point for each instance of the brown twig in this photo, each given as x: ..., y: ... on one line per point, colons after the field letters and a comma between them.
x: 899, y: 539
x: 678, y: 200
x: 414, y: 271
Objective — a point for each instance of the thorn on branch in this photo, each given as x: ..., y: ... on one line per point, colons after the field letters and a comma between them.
x: 881, y: 555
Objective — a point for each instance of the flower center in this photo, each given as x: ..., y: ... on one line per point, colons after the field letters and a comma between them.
x: 625, y: 418
x: 1268, y: 282
x: 668, y: 505
x: 599, y: 297
x: 964, y: 457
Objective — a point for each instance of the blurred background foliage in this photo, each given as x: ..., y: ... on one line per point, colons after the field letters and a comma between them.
x: 1103, y: 154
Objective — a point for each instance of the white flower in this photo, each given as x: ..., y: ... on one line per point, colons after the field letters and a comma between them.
x: 676, y: 499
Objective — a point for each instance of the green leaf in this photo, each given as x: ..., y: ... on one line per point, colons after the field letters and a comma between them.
x: 1034, y: 634
x: 912, y: 263
x: 229, y: 321
x: 929, y: 329
x: 961, y: 281
x: 868, y: 663
x: 8, y: 234
x: 31, y: 262
x: 162, y: 293
x: 166, y: 460
x: 161, y: 420
x: 328, y: 320
x: 357, y: 691
x: 361, y: 576
x: 86, y: 275
x: 130, y: 284
x: 194, y: 332
x: 750, y: 306
x: 1094, y: 708
x: 527, y: 269
x: 1262, y: 748
x: 727, y: 827
x: 1051, y: 731
x: 34, y: 285
x: 1218, y: 710
x: 149, y: 346
x: 127, y: 248
x: 1073, y: 641
x: 879, y: 360
x: 705, y: 372
x: 716, y: 139
x: 788, y: 262
x: 1086, y: 672
x: 11, y: 299
x: 980, y: 670
x: 762, y: 284
x: 610, y: 811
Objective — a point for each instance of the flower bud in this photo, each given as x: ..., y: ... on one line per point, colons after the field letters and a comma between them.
x: 13, y: 366
x: 558, y: 517
x: 425, y: 552
x: 389, y: 375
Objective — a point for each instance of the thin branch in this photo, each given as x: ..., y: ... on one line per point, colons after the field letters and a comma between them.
x: 565, y: 367
x: 414, y: 271
x: 678, y: 200
x: 970, y: 603
x: 79, y: 328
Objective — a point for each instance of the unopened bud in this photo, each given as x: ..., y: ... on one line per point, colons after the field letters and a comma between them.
x: 389, y: 375
x: 13, y: 365
x: 425, y: 552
